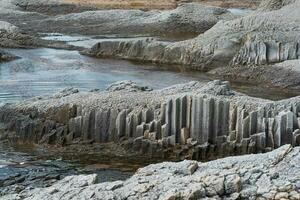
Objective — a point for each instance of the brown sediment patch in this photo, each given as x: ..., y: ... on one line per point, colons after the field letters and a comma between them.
x: 126, y: 4
x: 231, y: 3
x: 160, y: 4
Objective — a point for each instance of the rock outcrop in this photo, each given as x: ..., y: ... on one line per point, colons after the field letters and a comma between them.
x: 51, y: 7
x: 5, y: 26
x: 261, y: 38
x: 206, y: 121
x: 285, y: 74
x: 273, y: 175
x: 186, y: 19
x: 4, y: 56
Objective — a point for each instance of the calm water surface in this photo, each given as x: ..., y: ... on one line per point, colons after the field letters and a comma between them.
x: 46, y: 71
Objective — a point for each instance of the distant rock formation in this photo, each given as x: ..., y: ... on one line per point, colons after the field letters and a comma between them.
x: 261, y: 38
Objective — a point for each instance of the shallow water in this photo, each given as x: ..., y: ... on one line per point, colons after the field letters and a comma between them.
x: 23, y: 166
x: 84, y: 41
x: 240, y: 11
x: 46, y: 71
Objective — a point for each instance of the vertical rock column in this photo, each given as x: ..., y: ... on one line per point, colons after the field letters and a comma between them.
x: 240, y: 123
x: 196, y: 117
x: 121, y: 124
x: 219, y: 119
x: 75, y: 126
x: 112, y: 125
x: 137, y: 119
x: 207, y: 122
x: 102, y: 125
x: 176, y: 119
x: 284, y: 123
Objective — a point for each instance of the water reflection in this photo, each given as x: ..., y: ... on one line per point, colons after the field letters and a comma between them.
x: 46, y: 71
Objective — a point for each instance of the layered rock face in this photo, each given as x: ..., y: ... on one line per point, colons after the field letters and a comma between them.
x: 187, y: 18
x: 285, y: 74
x: 264, y: 37
x: 51, y: 7
x: 205, y: 120
x: 273, y: 175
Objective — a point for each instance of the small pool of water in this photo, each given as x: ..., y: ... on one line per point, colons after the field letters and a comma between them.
x: 240, y: 11
x: 84, y: 41
x: 24, y: 166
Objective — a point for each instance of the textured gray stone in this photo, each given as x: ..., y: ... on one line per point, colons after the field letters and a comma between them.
x: 248, y: 177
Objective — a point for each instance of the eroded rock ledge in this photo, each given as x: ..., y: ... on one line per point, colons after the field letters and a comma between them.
x: 266, y: 37
x: 259, y: 38
x: 202, y: 121
x: 186, y: 19
x: 273, y: 175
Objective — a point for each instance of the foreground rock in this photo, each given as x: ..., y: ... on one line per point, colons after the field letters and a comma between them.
x: 269, y: 36
x: 274, y: 175
x: 199, y: 121
x: 5, y: 26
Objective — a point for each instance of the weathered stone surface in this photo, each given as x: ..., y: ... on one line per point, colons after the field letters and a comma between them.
x: 248, y: 177
x: 228, y: 46
x: 5, y: 26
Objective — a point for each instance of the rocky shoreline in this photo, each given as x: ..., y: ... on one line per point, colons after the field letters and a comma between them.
x: 272, y: 175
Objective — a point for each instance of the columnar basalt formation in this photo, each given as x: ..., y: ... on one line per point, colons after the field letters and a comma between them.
x: 209, y: 120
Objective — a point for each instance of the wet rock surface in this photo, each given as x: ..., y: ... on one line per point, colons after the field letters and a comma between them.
x: 26, y: 166
x: 4, y: 56
x: 272, y: 175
